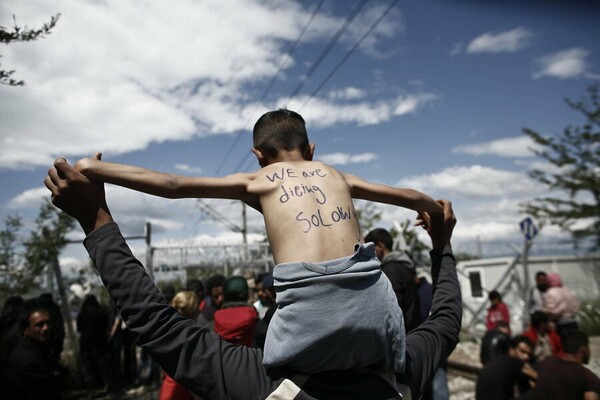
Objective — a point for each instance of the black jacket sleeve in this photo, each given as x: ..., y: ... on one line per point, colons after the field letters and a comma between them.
x: 429, y: 345
x: 194, y: 356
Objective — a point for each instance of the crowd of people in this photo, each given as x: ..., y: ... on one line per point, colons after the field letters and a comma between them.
x: 337, y: 330
x: 32, y: 336
x: 544, y: 361
x: 342, y: 315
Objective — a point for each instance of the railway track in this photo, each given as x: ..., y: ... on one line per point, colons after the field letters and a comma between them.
x: 467, y: 371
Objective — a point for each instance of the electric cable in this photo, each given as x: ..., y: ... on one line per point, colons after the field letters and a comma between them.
x: 338, y: 65
x: 329, y: 46
x: 343, y: 60
x: 270, y: 85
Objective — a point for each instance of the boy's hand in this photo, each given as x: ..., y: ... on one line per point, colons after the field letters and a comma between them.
x: 84, y: 164
x: 78, y: 196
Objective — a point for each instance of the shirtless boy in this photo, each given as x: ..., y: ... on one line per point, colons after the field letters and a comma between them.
x: 316, y: 243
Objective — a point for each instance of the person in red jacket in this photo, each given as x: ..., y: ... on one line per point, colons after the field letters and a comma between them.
x: 546, y: 341
x: 236, y: 319
x: 497, y: 312
x: 186, y: 304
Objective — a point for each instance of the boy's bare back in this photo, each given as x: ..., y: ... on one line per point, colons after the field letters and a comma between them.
x: 308, y: 211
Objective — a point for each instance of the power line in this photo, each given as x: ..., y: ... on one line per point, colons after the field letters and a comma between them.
x: 349, y: 19
x: 292, y: 49
x: 242, y: 167
x: 264, y: 95
x: 329, y: 46
x: 323, y: 54
x: 343, y: 60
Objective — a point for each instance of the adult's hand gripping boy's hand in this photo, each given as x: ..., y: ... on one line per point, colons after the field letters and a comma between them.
x: 439, y: 226
x: 78, y: 196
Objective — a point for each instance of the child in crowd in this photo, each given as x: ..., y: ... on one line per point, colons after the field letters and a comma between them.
x: 316, y: 243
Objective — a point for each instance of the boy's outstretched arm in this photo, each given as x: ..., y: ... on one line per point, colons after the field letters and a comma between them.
x: 171, y: 186
x: 407, y: 198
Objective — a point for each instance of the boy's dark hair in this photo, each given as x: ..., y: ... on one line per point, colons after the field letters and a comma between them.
x: 538, y: 318
x: 573, y: 340
x: 382, y: 236
x: 494, y: 294
x: 515, y: 341
x: 280, y: 130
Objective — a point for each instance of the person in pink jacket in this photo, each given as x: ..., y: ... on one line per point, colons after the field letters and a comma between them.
x: 560, y: 304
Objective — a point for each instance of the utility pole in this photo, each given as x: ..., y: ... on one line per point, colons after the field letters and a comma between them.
x: 56, y: 272
x: 244, y: 232
x: 529, y: 232
x: 66, y: 307
x: 149, y: 251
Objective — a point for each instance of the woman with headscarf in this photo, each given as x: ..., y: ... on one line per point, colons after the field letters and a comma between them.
x: 560, y: 304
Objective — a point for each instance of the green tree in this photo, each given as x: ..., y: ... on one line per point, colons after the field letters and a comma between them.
x: 22, y: 262
x: 368, y: 215
x: 417, y: 248
x: 575, y: 155
x: 22, y: 34
x: 48, y: 238
x: 10, y: 257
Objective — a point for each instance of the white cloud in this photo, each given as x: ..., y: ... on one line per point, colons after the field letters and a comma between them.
x: 188, y: 168
x: 131, y: 208
x: 387, y: 28
x: 564, y: 64
x: 349, y: 93
x: 539, y: 165
x: 321, y: 113
x: 409, y: 103
x: 346, y: 158
x: 503, y: 42
x: 474, y: 180
x: 506, y: 147
x: 136, y: 75
x: 30, y: 198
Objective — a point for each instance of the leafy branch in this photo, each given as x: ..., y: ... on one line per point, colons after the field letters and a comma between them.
x: 22, y: 34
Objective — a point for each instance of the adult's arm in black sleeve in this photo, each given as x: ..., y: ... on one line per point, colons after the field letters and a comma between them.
x: 194, y: 356
x: 429, y: 345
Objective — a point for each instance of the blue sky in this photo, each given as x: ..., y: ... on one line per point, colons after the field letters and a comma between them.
x: 435, y: 97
